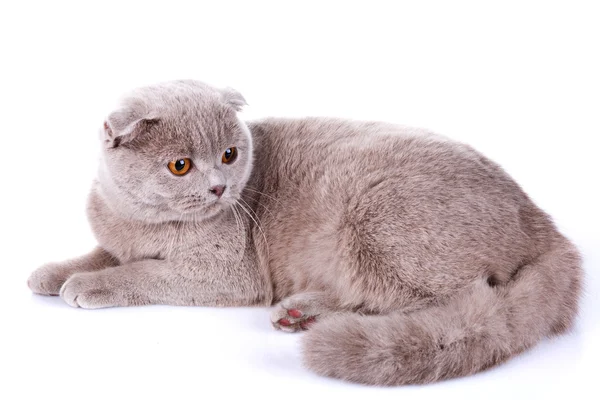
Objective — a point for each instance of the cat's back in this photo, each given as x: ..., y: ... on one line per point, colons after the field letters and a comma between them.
x: 333, y: 161
x: 303, y: 134
x: 296, y: 150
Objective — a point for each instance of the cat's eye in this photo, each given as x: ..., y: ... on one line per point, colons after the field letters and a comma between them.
x: 180, y: 167
x: 229, y: 155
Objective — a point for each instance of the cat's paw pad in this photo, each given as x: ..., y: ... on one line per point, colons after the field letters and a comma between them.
x: 88, y: 290
x: 47, y: 280
x: 292, y: 319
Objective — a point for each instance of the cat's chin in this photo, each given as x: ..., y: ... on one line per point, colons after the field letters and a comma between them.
x: 204, y: 213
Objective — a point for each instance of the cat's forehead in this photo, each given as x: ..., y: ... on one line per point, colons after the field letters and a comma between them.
x: 205, y: 123
x: 191, y: 133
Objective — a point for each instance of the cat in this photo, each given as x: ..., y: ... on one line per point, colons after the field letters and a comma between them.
x: 407, y: 257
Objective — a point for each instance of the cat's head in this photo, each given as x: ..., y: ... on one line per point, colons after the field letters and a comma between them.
x: 175, y: 151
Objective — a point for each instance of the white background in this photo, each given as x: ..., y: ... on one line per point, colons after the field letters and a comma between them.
x: 518, y: 80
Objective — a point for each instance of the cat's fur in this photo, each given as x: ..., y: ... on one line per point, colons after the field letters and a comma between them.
x: 409, y: 258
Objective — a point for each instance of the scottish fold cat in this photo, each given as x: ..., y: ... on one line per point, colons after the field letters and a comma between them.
x: 406, y: 257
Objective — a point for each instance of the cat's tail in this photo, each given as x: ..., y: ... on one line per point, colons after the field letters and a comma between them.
x: 477, y: 330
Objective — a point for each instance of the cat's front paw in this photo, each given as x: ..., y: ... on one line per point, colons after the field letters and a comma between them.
x: 48, y: 279
x: 90, y: 290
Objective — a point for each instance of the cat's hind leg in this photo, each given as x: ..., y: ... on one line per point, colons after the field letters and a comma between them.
x: 49, y: 278
x: 298, y: 312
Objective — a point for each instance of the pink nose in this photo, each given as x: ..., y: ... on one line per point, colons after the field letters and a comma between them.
x: 217, y: 190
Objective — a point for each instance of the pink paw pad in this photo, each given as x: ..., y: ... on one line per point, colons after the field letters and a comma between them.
x: 294, y: 313
x: 284, y: 322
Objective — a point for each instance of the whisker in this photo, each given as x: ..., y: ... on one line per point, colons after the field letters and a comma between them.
x: 238, y: 223
x: 262, y: 194
x: 257, y: 225
x: 250, y: 208
x: 260, y: 204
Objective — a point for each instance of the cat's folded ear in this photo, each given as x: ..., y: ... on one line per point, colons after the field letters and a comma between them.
x: 127, y: 123
x: 233, y: 98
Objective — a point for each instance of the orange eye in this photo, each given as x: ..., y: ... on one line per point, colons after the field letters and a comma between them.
x: 229, y: 155
x: 180, y: 167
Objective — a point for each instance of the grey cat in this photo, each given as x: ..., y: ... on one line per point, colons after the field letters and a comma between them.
x: 407, y: 257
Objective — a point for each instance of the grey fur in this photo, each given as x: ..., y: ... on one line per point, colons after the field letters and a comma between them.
x: 408, y: 257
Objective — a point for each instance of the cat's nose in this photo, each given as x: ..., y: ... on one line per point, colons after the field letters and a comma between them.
x: 217, y: 190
